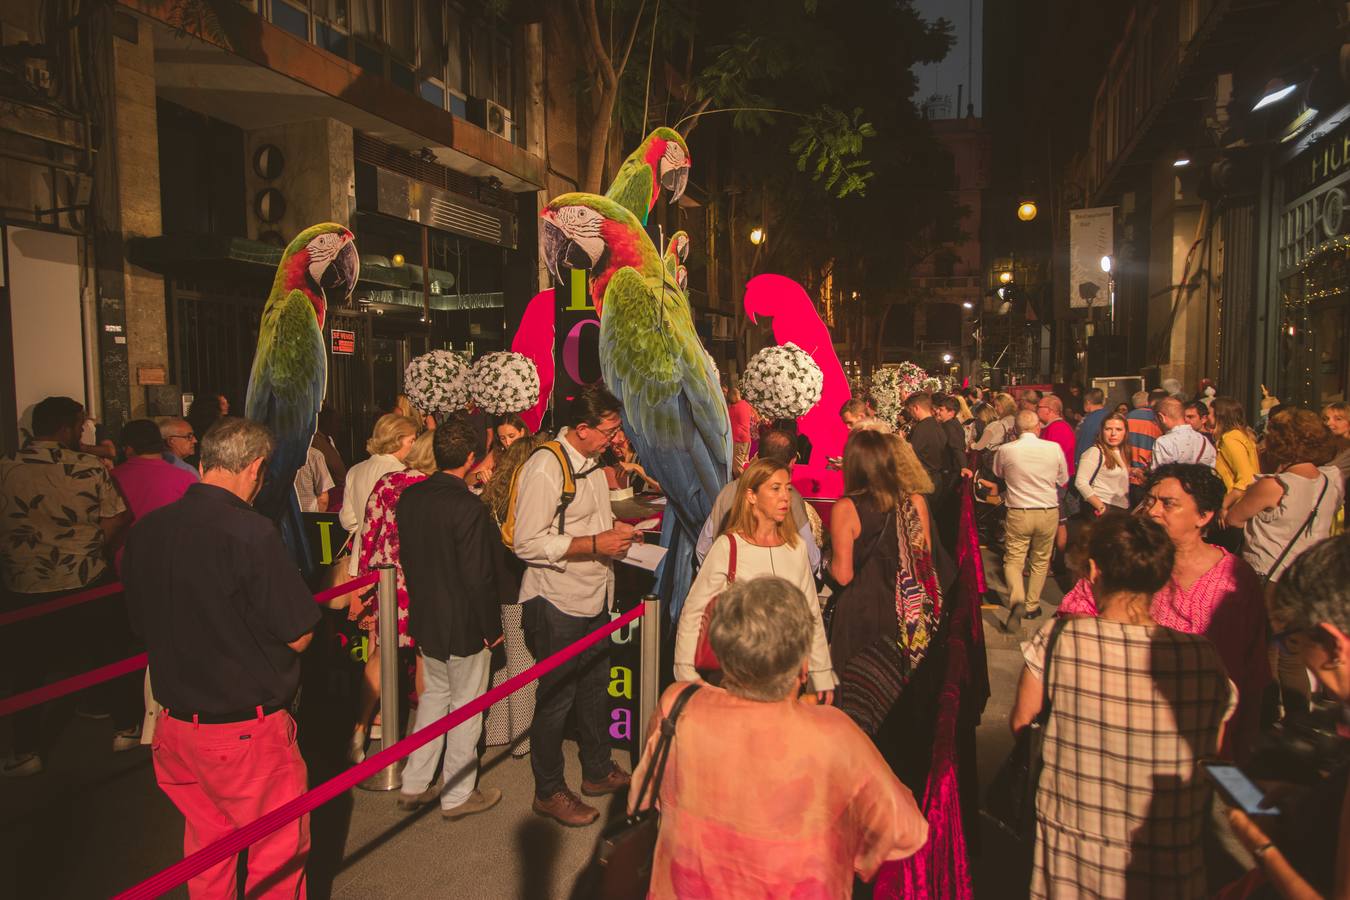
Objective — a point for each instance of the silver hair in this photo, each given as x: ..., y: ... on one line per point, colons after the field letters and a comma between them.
x: 232, y: 443
x: 761, y: 631
x: 1027, y: 421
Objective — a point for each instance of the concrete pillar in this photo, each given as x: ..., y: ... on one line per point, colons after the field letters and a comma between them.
x: 136, y: 148
x: 317, y: 181
x: 1175, y: 342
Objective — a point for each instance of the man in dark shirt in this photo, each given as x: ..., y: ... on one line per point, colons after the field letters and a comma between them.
x: 225, y: 616
x: 450, y: 552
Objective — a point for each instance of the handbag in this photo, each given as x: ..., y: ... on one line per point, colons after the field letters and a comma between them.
x: 628, y: 845
x: 1011, y: 799
x: 704, y: 657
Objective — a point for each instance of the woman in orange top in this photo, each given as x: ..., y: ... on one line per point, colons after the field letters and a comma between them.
x: 763, y: 795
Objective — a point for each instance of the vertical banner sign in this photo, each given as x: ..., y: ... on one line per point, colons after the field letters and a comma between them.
x: 626, y: 732
x: 1091, y: 236
x: 576, y: 338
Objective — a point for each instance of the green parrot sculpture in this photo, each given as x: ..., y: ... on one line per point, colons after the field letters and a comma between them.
x: 660, y: 161
x: 651, y: 358
x: 290, y: 368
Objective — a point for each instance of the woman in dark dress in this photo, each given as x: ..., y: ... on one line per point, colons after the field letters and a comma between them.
x: 888, y: 612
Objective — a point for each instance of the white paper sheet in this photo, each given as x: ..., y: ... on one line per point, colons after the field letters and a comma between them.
x: 645, y: 556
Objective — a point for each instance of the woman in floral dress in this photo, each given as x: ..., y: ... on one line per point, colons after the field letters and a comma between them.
x: 379, y: 547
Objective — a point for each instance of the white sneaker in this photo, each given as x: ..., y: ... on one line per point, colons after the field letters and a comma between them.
x: 127, y: 739
x: 21, y: 766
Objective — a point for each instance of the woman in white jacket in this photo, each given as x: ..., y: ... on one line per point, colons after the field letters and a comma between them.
x: 766, y: 542
x: 1103, y: 478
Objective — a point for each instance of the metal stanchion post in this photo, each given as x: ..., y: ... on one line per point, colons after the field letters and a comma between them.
x: 390, y: 778
x: 649, y: 682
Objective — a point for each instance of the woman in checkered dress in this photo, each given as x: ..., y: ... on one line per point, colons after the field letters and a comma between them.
x: 1121, y: 803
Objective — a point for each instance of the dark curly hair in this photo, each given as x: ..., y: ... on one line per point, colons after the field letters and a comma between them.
x: 1315, y: 589
x: 1197, y: 480
x: 1132, y: 553
x: 1297, y: 436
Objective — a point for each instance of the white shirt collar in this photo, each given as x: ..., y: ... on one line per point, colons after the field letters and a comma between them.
x: 1028, y: 435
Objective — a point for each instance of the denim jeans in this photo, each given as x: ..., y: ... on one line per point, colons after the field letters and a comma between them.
x: 581, y: 682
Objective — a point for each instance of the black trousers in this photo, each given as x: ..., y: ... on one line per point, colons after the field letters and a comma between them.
x: 581, y: 683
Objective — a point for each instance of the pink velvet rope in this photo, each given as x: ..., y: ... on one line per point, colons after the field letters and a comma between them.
x: 51, y: 606
x: 288, y: 812
x: 11, y: 705
x: 57, y: 689
x: 107, y: 590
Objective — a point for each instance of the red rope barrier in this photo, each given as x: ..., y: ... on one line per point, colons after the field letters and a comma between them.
x: 60, y: 603
x: 11, y: 705
x: 232, y: 843
x: 57, y: 689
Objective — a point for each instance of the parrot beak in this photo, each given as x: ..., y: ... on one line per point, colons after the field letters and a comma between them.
x: 339, y: 279
x: 675, y: 180
x: 561, y: 251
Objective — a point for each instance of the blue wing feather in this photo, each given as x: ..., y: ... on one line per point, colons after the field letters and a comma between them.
x: 285, y: 392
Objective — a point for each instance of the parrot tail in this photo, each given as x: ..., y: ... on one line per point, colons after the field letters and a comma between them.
x: 675, y: 573
x: 292, y: 527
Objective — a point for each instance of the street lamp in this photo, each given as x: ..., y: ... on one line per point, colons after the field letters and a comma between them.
x: 1108, y: 264
x: 1276, y: 90
x: 1026, y: 210
x: 1005, y: 277
x: 967, y: 305
x: 947, y: 358
x: 757, y: 235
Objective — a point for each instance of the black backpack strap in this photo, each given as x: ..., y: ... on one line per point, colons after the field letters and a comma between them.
x: 656, y: 770
x: 1044, y: 715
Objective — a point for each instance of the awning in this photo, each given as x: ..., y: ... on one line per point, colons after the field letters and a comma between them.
x: 221, y: 257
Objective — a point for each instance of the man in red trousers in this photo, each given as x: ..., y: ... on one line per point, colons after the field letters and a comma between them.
x: 225, y: 616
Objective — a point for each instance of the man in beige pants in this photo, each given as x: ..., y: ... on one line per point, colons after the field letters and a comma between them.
x: 1034, y: 470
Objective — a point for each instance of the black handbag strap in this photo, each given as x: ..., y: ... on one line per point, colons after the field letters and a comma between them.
x: 657, y: 770
x: 1307, y: 524
x: 1044, y: 715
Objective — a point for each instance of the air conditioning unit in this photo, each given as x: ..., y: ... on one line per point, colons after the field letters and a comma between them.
x: 492, y: 117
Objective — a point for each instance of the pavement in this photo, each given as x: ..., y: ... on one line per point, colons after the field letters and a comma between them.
x: 95, y: 822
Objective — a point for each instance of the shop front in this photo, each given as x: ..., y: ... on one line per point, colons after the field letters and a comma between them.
x: 1312, y: 256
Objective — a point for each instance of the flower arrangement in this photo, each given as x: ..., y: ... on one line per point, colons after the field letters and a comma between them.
x: 504, y: 382
x: 891, y: 385
x: 782, y: 382
x: 437, y: 382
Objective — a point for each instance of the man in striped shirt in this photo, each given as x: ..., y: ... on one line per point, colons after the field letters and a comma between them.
x: 1142, y: 432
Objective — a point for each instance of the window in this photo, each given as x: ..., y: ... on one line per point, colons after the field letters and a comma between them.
x: 454, y: 44
x: 289, y: 18
x: 367, y: 19
x: 403, y: 29
x: 369, y: 58
x: 332, y: 11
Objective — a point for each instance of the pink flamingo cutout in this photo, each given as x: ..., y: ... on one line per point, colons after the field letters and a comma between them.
x: 534, y: 339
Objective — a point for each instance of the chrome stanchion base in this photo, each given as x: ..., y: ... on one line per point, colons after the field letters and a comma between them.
x: 388, y: 779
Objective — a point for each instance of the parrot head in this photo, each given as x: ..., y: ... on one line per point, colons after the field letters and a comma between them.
x: 586, y: 231
x: 668, y: 155
x: 322, y: 262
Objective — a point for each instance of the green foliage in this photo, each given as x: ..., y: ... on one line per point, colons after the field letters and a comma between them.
x: 830, y: 147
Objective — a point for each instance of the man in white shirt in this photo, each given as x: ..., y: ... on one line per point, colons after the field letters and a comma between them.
x: 313, y: 482
x: 1033, y: 470
x: 776, y: 445
x: 568, y: 581
x: 1180, y: 442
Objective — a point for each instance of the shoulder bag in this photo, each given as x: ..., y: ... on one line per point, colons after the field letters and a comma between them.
x: 1011, y: 799
x: 705, y: 660
x: 1303, y: 529
x: 627, y: 846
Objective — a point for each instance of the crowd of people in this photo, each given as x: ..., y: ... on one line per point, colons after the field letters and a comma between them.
x: 823, y: 638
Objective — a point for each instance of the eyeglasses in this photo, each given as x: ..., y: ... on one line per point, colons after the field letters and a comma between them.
x: 187, y: 437
x: 609, y: 433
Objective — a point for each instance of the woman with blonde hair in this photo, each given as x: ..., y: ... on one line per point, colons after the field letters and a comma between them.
x: 760, y: 538
x: 1001, y: 429
x: 389, y: 444
x: 379, y: 547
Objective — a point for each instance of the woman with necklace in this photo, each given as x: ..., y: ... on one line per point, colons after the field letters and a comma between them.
x: 760, y: 538
x: 1121, y: 805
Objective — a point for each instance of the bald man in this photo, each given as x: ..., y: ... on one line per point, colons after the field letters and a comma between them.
x: 1180, y: 442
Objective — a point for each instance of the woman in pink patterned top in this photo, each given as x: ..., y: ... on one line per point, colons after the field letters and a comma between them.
x: 379, y: 547
x: 1211, y: 591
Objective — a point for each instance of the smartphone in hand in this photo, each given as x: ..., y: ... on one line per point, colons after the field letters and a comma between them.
x: 1236, y: 789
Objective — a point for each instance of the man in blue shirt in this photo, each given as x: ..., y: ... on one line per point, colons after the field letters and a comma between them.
x: 1094, y: 408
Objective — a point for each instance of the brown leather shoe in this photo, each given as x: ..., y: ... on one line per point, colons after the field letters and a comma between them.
x: 480, y: 800
x: 617, y: 780
x: 567, y: 808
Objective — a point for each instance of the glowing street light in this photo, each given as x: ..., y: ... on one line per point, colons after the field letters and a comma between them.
x: 1026, y: 210
x: 1106, y: 264
x: 967, y: 305
x: 1181, y: 162
x: 1275, y: 92
x: 947, y: 358
x: 757, y: 235
x: 1005, y: 277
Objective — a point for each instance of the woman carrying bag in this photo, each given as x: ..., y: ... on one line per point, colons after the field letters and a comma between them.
x: 1103, y: 475
x: 760, y: 538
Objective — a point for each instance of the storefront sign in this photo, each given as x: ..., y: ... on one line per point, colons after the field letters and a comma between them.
x: 1320, y: 163
x: 344, y: 342
x: 152, y: 375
